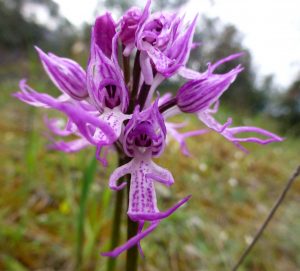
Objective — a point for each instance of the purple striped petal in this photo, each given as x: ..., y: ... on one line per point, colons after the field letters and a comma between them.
x: 129, y: 24
x: 105, y: 81
x: 197, y: 95
x: 66, y: 74
x: 86, y: 123
x: 104, y: 31
x: 145, y: 132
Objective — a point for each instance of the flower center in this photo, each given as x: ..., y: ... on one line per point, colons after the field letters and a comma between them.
x: 112, y: 97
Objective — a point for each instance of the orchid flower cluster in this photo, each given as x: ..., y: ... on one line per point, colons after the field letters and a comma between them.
x: 109, y: 109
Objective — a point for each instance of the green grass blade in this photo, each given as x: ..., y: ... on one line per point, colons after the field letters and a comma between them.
x: 88, y: 178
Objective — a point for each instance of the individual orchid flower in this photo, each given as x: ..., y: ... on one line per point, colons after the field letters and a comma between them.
x: 105, y: 83
x: 199, y: 95
x: 164, y: 41
x: 144, y: 138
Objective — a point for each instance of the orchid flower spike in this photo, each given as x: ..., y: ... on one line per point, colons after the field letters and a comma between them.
x: 95, y: 101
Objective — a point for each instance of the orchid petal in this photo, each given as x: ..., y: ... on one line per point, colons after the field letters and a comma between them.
x: 102, y: 72
x: 84, y: 121
x: 66, y: 74
x: 71, y: 146
x: 55, y: 126
x: 181, y: 137
x: 131, y: 242
x: 229, y: 133
x: 197, y: 95
x: 117, y: 174
x: 104, y: 31
x: 146, y: 68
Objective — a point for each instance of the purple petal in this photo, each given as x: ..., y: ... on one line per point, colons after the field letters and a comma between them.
x: 197, y: 95
x: 56, y: 127
x: 142, y: 234
x: 66, y: 74
x: 146, y: 68
x: 160, y: 215
x: 229, y: 133
x: 131, y: 242
x: 181, y: 137
x: 85, y: 122
x: 104, y: 31
x: 70, y: 146
x: 129, y: 24
x: 180, y: 49
x: 105, y: 81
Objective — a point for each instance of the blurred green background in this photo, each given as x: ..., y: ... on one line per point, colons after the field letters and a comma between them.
x: 232, y: 192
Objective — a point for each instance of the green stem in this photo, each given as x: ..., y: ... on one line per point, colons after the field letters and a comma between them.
x: 132, y: 253
x: 115, y: 235
x: 135, y: 84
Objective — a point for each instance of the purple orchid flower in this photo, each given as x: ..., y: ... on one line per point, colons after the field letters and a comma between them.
x: 144, y: 138
x: 164, y: 41
x: 200, y: 95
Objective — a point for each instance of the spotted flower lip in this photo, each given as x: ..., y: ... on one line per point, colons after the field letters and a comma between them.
x: 142, y: 197
x: 66, y: 74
